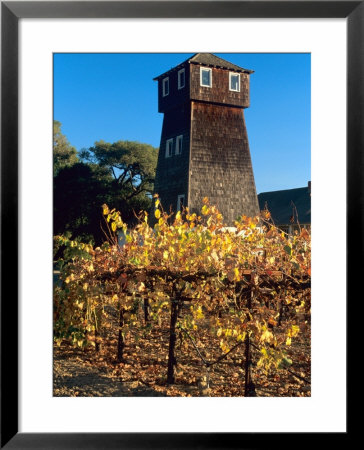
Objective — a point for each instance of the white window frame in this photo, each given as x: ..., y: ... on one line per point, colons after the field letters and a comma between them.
x: 179, y: 198
x: 180, y: 85
x: 169, y: 148
x: 231, y: 74
x: 165, y: 91
x: 178, y: 140
x: 209, y: 70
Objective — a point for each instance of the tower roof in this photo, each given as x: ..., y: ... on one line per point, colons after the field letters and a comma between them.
x: 210, y: 60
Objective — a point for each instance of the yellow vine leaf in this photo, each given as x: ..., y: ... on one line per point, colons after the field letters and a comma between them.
x: 266, y: 336
x: 205, y: 210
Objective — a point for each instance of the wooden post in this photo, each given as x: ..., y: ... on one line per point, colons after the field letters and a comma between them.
x: 146, y: 310
x: 97, y: 344
x: 247, y: 367
x: 249, y: 385
x: 172, y: 340
x: 121, y: 343
x: 282, y: 302
x: 97, y: 334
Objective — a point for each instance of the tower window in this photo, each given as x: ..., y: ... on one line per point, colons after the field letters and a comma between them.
x: 165, y: 85
x: 169, y: 147
x: 181, y: 78
x: 180, y: 202
x: 179, y: 140
x: 234, y: 82
x: 205, y: 77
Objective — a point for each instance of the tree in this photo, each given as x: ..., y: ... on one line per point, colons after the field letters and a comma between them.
x: 64, y: 155
x: 132, y: 165
x: 119, y: 174
x: 79, y: 192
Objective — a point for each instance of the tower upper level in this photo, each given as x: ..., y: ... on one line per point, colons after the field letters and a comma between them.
x: 204, y: 77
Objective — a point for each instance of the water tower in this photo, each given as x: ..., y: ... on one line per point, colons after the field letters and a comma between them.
x: 204, y: 149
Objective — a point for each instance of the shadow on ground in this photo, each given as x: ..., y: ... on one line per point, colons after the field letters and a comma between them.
x: 71, y: 379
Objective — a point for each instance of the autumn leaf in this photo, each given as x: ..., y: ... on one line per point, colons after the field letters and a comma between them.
x: 304, y: 234
x: 266, y: 336
x: 272, y: 322
x: 205, y: 210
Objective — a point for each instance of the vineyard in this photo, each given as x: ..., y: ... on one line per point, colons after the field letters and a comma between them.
x: 188, y: 307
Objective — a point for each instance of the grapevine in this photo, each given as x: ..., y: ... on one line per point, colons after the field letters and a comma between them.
x: 203, y: 284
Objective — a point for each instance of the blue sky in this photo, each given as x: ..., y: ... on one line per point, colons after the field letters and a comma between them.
x: 113, y: 97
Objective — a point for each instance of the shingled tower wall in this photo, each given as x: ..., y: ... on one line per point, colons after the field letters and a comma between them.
x: 204, y: 149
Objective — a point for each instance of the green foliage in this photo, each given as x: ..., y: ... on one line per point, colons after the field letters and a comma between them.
x: 66, y: 250
x: 64, y: 155
x: 132, y: 165
x: 79, y: 192
x: 119, y: 174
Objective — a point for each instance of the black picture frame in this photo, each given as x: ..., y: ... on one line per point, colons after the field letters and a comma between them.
x: 11, y: 12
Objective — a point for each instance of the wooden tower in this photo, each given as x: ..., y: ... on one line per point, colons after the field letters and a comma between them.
x: 204, y: 149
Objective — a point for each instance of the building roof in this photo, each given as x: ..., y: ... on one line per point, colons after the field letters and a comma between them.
x: 282, y: 204
x: 209, y: 60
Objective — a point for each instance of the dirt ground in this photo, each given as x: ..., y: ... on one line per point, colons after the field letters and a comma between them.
x: 73, y: 378
x: 85, y: 373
